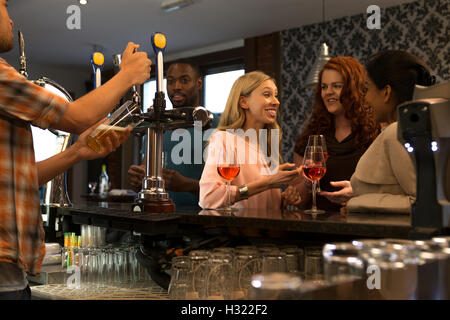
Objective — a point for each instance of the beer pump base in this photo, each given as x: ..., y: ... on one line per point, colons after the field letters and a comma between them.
x: 154, y: 205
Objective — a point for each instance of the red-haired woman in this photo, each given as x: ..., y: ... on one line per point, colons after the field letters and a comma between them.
x: 341, y: 114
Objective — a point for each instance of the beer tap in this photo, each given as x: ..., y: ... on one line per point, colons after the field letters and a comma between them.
x: 153, y: 196
x: 23, y: 60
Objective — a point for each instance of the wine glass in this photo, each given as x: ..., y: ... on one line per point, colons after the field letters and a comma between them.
x: 318, y: 140
x: 314, y: 169
x: 228, y: 168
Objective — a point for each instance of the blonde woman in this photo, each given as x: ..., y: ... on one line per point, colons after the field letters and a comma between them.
x: 248, y: 129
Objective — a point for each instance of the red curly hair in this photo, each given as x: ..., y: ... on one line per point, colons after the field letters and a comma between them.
x: 352, y: 98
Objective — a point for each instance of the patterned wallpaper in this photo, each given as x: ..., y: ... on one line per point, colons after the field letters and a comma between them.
x: 420, y: 27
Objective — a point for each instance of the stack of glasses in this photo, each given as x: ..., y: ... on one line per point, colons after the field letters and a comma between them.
x: 225, y: 273
x: 97, y: 265
x: 371, y: 269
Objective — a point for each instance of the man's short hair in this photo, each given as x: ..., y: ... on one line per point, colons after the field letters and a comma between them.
x: 189, y: 62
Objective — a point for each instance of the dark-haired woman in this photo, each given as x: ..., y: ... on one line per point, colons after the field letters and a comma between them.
x: 385, y: 177
x: 341, y: 115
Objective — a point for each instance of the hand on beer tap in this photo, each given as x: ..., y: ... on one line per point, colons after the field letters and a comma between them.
x: 96, y: 104
x: 135, y: 65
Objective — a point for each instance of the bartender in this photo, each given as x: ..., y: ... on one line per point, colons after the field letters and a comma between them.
x: 184, y: 82
x: 23, y: 103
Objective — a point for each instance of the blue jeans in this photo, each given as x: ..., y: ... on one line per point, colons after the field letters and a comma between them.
x: 24, y: 294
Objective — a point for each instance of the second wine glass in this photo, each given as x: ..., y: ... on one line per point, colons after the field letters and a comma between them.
x: 314, y: 168
x: 319, y: 141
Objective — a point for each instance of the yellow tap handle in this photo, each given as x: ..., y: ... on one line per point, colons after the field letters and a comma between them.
x: 160, y: 40
x: 98, y: 58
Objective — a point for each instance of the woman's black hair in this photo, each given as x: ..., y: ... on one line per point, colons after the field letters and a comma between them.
x: 400, y: 70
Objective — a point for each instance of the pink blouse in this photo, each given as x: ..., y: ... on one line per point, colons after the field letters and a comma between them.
x: 253, y: 166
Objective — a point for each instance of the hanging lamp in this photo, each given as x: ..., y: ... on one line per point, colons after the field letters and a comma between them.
x: 313, y: 77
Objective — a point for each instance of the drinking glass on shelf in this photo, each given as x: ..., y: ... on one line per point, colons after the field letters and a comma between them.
x: 247, y: 262
x: 219, y: 284
x: 199, y: 276
x: 341, y: 260
x: 319, y: 140
x: 313, y: 263
x: 314, y: 169
x: 274, y: 261
x: 180, y: 278
x: 228, y: 168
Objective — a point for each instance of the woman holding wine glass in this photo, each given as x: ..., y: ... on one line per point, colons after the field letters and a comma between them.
x: 243, y: 153
x: 341, y: 115
x: 392, y: 75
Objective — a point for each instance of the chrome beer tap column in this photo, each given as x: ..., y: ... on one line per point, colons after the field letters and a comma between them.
x: 153, y: 196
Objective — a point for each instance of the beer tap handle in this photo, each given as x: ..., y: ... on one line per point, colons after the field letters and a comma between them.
x: 159, y: 44
x: 23, y: 59
x: 97, y: 60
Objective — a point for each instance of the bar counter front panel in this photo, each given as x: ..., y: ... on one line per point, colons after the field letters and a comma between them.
x: 331, y: 226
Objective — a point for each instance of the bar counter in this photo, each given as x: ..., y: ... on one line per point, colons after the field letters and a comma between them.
x: 330, y: 226
x: 278, y: 227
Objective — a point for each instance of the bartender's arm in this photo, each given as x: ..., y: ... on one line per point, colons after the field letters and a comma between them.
x: 79, y: 151
x: 87, y: 110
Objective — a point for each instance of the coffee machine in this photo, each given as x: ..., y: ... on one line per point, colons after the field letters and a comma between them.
x: 424, y: 130
x: 153, y: 196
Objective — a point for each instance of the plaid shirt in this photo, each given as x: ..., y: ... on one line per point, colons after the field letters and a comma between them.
x: 21, y: 229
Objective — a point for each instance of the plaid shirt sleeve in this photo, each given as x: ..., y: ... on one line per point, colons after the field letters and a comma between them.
x: 21, y: 227
x: 24, y: 100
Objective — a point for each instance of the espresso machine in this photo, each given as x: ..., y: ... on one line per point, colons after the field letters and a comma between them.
x: 153, y: 196
x: 424, y: 130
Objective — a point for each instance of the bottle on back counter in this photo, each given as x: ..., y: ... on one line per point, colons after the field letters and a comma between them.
x: 104, y: 182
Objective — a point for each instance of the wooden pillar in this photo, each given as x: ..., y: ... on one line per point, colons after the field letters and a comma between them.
x: 264, y: 53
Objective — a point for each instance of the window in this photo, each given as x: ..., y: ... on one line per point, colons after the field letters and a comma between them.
x: 149, y: 90
x: 217, y: 87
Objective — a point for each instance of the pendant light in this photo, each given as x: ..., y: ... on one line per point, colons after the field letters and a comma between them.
x: 313, y: 77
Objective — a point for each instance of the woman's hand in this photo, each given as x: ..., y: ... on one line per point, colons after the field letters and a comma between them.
x: 111, y: 143
x: 290, y: 197
x: 283, y: 177
x: 342, y: 196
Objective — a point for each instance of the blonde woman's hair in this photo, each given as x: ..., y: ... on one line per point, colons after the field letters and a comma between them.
x: 233, y: 117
